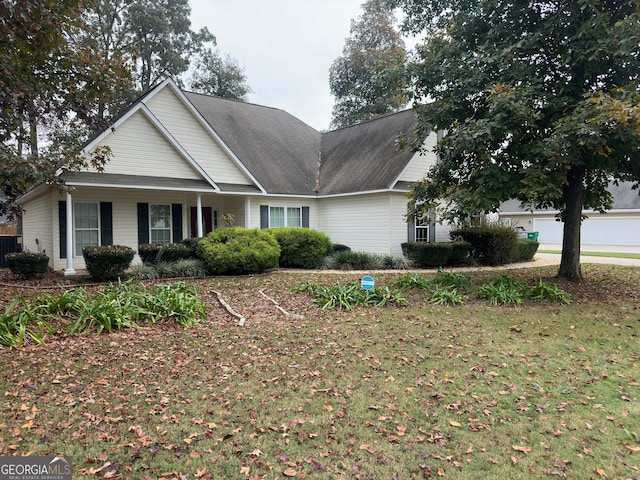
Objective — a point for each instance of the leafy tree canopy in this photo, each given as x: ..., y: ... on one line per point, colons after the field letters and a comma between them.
x: 539, y: 101
x: 368, y: 80
x: 48, y: 82
x: 152, y: 37
x: 155, y: 40
x: 219, y: 76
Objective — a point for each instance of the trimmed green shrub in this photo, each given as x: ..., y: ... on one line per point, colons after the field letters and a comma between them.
x: 27, y: 264
x: 525, y: 250
x: 191, y: 242
x: 107, y: 262
x: 238, y: 250
x: 338, y: 247
x: 301, y: 247
x: 491, y: 243
x: 460, y: 253
x: 148, y: 252
x: 427, y: 254
x: 152, y: 253
x: 172, y: 252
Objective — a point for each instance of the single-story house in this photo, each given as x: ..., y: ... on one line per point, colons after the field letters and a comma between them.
x: 182, y: 162
x: 619, y: 226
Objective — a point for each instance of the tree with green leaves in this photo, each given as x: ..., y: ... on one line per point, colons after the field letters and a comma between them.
x: 162, y: 40
x: 368, y: 79
x: 539, y: 101
x: 153, y: 38
x: 219, y: 76
x: 50, y: 86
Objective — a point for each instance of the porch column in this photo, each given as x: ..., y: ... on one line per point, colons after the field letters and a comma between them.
x: 247, y: 212
x: 199, y: 230
x: 69, y: 270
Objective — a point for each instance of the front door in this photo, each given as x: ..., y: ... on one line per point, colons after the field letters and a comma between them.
x: 207, y: 218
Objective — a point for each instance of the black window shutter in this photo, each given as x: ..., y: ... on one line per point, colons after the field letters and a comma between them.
x: 264, y: 216
x: 176, y: 220
x: 62, y: 219
x: 411, y: 232
x: 143, y: 223
x: 305, y: 217
x: 106, y: 223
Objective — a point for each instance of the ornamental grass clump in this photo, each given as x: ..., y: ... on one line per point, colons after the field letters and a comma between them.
x: 350, y: 295
x: 20, y: 321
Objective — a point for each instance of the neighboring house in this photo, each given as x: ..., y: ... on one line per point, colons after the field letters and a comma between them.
x: 181, y: 161
x: 619, y: 226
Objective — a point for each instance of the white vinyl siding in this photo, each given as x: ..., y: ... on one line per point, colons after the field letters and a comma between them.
x: 421, y: 162
x: 39, y: 219
x: 361, y: 222
x: 138, y: 148
x: 86, y: 226
x: 190, y: 133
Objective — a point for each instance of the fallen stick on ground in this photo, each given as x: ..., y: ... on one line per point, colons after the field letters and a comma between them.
x: 290, y: 315
x: 240, y: 318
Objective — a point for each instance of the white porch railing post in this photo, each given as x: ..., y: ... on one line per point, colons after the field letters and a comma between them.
x: 200, y: 231
x: 69, y: 220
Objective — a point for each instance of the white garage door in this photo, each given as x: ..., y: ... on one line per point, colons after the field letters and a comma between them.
x: 595, y: 231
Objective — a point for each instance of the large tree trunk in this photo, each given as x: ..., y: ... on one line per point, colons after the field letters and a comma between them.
x: 572, y: 217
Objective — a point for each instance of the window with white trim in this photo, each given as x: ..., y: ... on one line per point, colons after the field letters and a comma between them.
x: 86, y: 223
x: 160, y: 223
x: 422, y: 229
x: 285, y: 216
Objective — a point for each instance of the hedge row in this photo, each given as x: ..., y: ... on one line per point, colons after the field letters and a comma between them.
x: 237, y: 250
x: 426, y: 254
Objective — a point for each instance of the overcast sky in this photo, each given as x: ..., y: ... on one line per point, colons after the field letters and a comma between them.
x: 285, y: 47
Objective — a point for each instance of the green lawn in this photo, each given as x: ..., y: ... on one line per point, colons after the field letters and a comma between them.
x: 422, y: 391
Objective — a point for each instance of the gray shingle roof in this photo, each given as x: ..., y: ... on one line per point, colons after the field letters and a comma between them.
x: 279, y: 150
x: 365, y: 156
x: 282, y: 152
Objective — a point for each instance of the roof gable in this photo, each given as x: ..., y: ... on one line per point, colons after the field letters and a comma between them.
x: 142, y: 146
x: 183, y: 121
